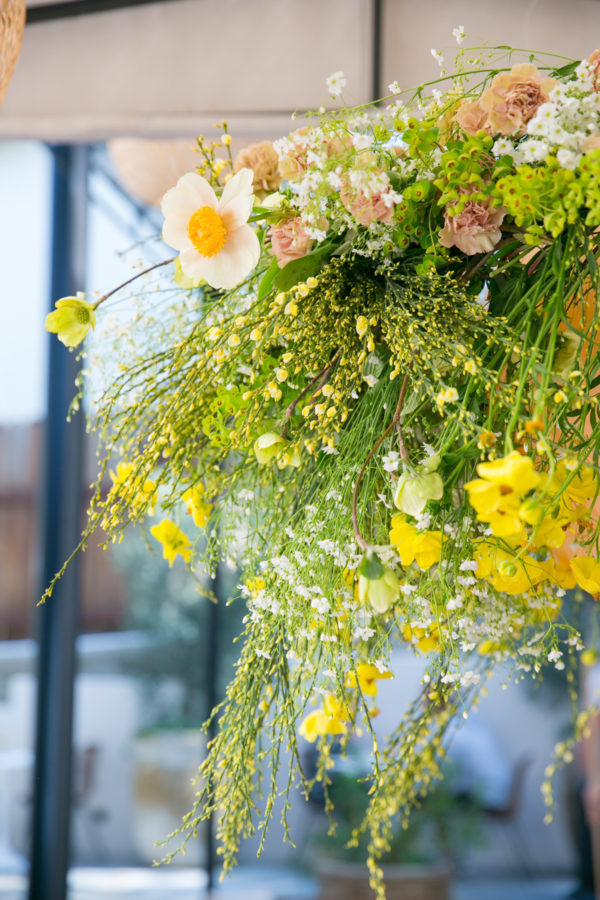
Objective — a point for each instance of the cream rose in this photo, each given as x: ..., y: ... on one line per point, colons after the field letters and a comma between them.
x: 263, y: 160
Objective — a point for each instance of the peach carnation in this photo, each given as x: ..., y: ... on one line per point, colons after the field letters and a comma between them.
x: 294, y: 162
x: 591, y: 142
x: 289, y: 241
x: 365, y: 195
x: 263, y: 160
x: 514, y: 97
x: 474, y: 230
x: 472, y: 118
x: 594, y: 62
x: 367, y: 208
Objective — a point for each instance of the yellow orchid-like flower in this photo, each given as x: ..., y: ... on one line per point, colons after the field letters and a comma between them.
x: 198, y: 508
x: 71, y: 320
x: 428, y: 548
x: 402, y: 537
x: 425, y: 639
x: 174, y: 541
x: 513, y: 471
x: 582, y: 487
x: 424, y: 547
x: 551, y: 531
x: 505, y: 571
x: 586, y: 570
x: 331, y: 718
x: 367, y: 676
x: 496, y: 496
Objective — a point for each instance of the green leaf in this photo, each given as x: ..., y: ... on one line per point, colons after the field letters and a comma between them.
x: 562, y: 71
x: 371, y: 567
x: 266, y: 283
x: 301, y: 269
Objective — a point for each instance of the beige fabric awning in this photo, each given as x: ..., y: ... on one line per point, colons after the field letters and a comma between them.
x: 172, y: 69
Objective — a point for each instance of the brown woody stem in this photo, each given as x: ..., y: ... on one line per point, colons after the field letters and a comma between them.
x: 319, y: 380
x: 165, y: 262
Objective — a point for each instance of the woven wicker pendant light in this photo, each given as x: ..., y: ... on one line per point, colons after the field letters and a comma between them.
x: 12, y: 23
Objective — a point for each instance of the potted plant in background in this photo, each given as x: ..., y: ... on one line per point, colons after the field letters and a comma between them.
x: 423, y: 849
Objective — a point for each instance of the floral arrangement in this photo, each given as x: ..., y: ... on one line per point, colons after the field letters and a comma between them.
x: 372, y: 385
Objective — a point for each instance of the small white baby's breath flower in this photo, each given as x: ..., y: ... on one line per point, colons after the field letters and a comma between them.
x: 391, y: 462
x: 336, y: 84
x: 394, y: 88
x: 458, y: 34
x: 363, y: 633
x: 469, y: 678
x: 361, y: 141
x: 437, y: 56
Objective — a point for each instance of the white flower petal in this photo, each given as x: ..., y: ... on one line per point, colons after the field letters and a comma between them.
x: 231, y: 265
x: 175, y: 231
x: 190, y: 193
x: 237, y: 199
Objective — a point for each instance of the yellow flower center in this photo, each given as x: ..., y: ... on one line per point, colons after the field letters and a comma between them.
x: 82, y: 315
x: 206, y: 231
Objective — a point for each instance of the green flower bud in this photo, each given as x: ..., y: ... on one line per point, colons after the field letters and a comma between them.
x: 378, y: 586
x: 413, y: 491
x: 267, y: 446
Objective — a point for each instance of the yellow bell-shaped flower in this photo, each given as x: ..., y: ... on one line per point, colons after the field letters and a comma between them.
x: 71, y: 320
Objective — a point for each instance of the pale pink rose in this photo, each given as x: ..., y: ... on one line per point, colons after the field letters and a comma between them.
x: 263, y: 160
x: 289, y: 240
x: 366, y: 208
x: 514, y: 97
x: 472, y: 118
x: 592, y: 142
x: 594, y: 62
x: 475, y: 230
x: 338, y: 145
x: 295, y: 161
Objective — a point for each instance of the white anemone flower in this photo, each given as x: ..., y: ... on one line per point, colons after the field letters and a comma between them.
x: 212, y: 234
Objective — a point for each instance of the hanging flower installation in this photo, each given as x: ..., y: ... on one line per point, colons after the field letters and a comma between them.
x: 374, y: 390
x: 12, y: 26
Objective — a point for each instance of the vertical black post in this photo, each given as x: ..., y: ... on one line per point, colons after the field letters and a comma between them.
x: 376, y: 86
x: 60, y: 527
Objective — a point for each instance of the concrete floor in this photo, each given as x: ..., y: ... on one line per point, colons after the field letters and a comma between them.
x: 255, y: 883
